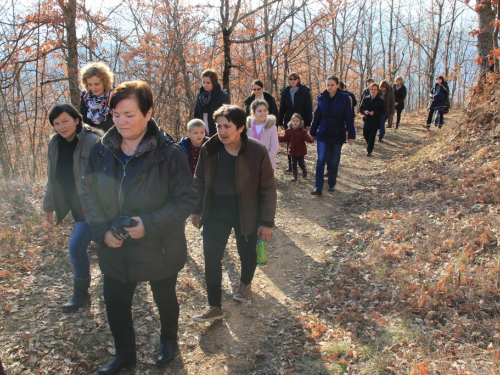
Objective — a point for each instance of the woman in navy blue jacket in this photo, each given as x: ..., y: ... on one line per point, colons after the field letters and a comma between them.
x: 440, y: 94
x: 372, y: 108
x: 332, y: 118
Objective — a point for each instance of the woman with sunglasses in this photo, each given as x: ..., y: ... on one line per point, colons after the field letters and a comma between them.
x: 295, y: 98
x: 260, y: 94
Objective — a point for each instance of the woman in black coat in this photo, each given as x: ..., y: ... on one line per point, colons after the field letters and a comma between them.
x: 440, y: 95
x: 399, y: 95
x: 259, y: 93
x: 372, y: 108
x: 137, y: 193
x: 210, y: 98
x: 295, y: 98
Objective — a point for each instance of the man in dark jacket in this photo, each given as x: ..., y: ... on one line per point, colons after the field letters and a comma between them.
x: 354, y: 102
x: 295, y: 98
x: 332, y: 118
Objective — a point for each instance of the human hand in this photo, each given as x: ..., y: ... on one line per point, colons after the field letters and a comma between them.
x: 111, y: 240
x: 395, y: 103
x: 49, y: 216
x: 138, y: 231
x: 195, y: 220
x: 350, y: 141
x: 313, y: 138
x: 264, y: 233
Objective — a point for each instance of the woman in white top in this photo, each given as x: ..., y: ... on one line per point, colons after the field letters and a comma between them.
x: 262, y: 127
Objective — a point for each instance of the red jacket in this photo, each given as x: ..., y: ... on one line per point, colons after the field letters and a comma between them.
x: 297, y: 141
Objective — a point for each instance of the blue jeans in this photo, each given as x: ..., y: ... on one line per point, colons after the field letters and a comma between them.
x: 80, y: 240
x: 383, y: 119
x: 328, y: 154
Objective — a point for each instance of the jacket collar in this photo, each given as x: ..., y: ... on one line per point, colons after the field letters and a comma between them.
x: 212, y: 145
x: 270, y: 122
x: 112, y: 140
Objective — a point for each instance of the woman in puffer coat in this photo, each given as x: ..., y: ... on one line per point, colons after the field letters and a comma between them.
x: 137, y: 194
x: 332, y: 120
x: 440, y: 94
x: 68, y: 154
x: 262, y: 127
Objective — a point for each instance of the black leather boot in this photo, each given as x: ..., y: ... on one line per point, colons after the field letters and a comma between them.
x: 166, y: 354
x: 80, y: 295
x: 125, y: 357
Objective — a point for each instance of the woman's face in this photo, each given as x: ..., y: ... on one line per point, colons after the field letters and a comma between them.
x: 129, y: 120
x: 332, y: 86
x: 95, y: 85
x: 65, y: 126
x: 260, y: 114
x: 295, y: 123
x: 228, y: 133
x: 294, y: 81
x: 207, y: 84
x: 399, y: 82
x: 373, y: 92
x: 382, y: 88
x: 439, y: 80
x: 257, y: 90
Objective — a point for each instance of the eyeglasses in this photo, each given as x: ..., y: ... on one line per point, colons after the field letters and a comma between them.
x: 293, y: 79
x: 257, y: 89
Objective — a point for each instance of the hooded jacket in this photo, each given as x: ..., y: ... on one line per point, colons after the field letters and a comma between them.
x: 218, y: 98
x: 255, y: 184
x: 296, y: 141
x: 156, y: 185
x: 54, y: 196
x: 332, y: 117
x: 269, y: 136
x: 399, y: 96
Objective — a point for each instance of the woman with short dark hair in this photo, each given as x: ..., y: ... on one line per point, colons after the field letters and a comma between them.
x: 260, y: 94
x: 236, y: 187
x: 210, y: 98
x: 68, y: 154
x: 137, y: 194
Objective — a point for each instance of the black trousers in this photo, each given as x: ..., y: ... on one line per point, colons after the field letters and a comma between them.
x: 398, y: 116
x: 118, y: 298
x: 370, y: 134
x: 300, y: 161
x: 216, y: 232
x: 431, y: 115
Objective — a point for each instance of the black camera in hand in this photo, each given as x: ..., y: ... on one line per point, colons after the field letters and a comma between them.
x: 120, y: 223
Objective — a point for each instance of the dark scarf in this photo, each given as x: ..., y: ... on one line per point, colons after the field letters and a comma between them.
x: 205, y: 99
x: 98, y: 106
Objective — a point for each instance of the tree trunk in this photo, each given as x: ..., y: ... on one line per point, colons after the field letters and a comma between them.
x: 486, y: 16
x: 69, y: 11
x: 226, y: 46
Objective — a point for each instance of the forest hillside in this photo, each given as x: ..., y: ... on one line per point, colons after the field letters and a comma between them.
x: 396, y: 272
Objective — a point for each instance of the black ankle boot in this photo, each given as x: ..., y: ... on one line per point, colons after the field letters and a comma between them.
x: 166, y: 354
x: 125, y: 357
x: 80, y: 295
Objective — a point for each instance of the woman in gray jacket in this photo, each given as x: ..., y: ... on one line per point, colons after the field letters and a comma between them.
x: 68, y: 154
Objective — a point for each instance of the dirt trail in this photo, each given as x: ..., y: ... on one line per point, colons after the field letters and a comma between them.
x: 261, y: 336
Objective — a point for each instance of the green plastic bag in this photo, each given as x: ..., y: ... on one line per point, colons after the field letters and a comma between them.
x: 261, y: 252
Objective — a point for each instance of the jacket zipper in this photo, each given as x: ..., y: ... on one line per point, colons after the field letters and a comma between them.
x: 121, y: 181
x: 242, y: 221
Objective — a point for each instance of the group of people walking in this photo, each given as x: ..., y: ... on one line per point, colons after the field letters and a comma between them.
x: 130, y: 187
